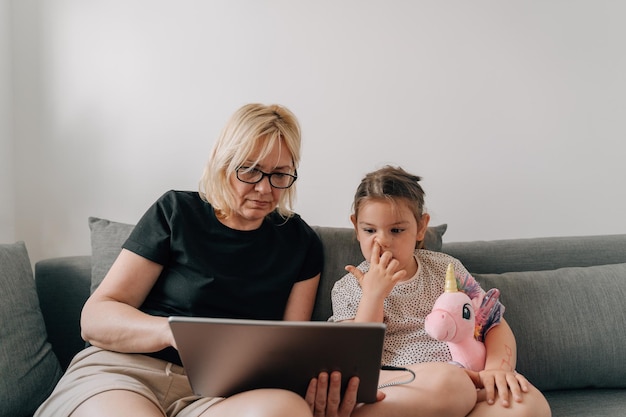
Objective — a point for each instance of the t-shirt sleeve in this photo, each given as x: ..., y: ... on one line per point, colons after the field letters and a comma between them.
x: 151, y: 236
x: 314, y: 260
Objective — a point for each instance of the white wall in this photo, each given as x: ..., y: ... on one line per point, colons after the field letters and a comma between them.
x: 7, y: 183
x: 513, y: 112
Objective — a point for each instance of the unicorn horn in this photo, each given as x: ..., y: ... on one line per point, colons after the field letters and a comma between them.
x: 450, y: 279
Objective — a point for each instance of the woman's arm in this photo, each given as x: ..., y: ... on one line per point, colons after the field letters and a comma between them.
x: 110, y: 318
x: 301, y: 300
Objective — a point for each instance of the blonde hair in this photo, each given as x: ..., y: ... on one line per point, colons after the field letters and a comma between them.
x: 252, y: 127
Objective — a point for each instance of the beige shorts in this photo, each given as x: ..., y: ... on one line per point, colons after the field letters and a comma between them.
x: 95, y: 370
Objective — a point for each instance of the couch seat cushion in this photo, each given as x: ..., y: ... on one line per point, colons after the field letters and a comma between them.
x: 587, y: 402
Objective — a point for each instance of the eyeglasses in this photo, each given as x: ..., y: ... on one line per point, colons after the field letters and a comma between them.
x: 277, y: 179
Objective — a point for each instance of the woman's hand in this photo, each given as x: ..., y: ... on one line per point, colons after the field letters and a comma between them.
x: 324, y: 395
x: 494, y: 383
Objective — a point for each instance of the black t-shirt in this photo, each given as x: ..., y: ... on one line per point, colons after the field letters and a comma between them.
x: 211, y: 270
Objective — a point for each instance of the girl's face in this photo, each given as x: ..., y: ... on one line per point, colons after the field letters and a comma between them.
x: 393, y: 226
x: 255, y: 201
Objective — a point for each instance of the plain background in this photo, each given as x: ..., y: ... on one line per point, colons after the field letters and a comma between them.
x: 513, y: 112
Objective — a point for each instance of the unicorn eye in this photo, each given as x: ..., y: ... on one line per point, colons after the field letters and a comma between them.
x: 467, y: 312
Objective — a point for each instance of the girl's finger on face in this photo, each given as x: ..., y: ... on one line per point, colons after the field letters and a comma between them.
x: 375, y: 253
x: 386, y: 259
x: 393, y: 265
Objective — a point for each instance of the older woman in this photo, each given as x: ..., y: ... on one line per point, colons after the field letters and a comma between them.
x: 227, y: 251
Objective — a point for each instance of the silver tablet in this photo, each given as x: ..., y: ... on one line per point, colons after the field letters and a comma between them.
x: 225, y: 356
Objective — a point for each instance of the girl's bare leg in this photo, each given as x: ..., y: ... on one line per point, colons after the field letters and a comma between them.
x: 439, y: 389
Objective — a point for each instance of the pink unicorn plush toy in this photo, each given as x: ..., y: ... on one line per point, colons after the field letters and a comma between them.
x: 453, y: 320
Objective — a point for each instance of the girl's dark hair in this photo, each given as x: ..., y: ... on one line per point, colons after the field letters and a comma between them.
x: 391, y: 183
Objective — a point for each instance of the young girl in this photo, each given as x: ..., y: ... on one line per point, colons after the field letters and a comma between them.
x: 398, y: 284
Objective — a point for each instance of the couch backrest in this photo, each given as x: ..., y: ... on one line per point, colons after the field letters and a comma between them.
x: 480, y: 257
x: 538, y: 254
x: 340, y: 249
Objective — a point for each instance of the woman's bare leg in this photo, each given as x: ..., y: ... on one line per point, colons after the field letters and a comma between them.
x: 119, y: 403
x: 257, y: 403
x: 439, y: 389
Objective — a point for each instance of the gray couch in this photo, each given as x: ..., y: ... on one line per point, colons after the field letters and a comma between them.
x: 564, y: 296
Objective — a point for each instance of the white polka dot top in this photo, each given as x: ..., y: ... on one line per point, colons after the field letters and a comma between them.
x: 406, y: 307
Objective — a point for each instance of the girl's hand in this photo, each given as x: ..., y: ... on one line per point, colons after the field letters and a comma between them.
x: 383, y: 273
x: 503, y: 384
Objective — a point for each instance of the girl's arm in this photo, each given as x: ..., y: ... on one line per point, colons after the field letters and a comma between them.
x: 371, y: 308
x: 499, y: 378
x: 501, y: 348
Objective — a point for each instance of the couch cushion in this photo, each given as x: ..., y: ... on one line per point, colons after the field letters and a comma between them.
x: 538, y: 254
x: 434, y: 237
x: 29, y: 369
x: 567, y: 323
x: 107, y: 238
x: 587, y: 402
x: 63, y: 287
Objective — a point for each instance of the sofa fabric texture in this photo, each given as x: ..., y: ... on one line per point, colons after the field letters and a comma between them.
x: 564, y: 299
x: 566, y: 317
x: 28, y: 367
x: 107, y: 238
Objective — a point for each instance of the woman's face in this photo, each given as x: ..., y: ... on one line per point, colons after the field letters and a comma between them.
x: 255, y: 201
x: 392, y: 226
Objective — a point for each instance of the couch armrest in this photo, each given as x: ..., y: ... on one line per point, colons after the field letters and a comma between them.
x: 63, y: 287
